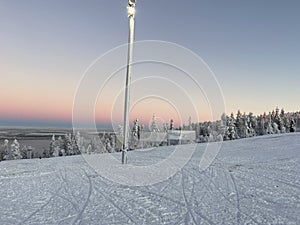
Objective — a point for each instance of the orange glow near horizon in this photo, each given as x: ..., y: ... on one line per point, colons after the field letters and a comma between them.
x: 39, y: 108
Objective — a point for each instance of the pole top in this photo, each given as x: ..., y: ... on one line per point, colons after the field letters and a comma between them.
x: 131, y: 3
x: 131, y: 8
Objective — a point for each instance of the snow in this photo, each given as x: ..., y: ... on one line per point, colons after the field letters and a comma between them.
x: 252, y: 181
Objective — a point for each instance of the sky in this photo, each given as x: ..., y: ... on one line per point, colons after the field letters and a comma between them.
x: 46, y: 47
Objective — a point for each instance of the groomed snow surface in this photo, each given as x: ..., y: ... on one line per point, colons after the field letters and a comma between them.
x: 252, y: 181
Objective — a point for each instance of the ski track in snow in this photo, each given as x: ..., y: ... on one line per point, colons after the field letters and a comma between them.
x: 79, y: 215
x: 238, y: 213
x: 252, y: 181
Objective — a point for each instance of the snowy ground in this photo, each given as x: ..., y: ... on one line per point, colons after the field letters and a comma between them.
x: 252, y: 181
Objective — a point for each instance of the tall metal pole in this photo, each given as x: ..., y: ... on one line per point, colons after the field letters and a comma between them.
x: 131, y: 13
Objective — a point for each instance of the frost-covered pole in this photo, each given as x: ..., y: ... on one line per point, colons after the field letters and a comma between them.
x: 131, y: 13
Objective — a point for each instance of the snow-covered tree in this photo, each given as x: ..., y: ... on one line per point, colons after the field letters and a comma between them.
x: 108, y: 145
x: 15, y: 152
x: 79, y: 140
x: 4, y: 150
x: 252, y: 125
x: 260, y: 129
x: 98, y: 144
x: 265, y: 123
x: 63, y: 152
x: 68, y: 144
x: 75, y: 146
x: 240, y: 125
x: 220, y: 129
x: 244, y: 126
x: 46, y: 153
x: 211, y: 138
x: 297, y: 120
x: 292, y: 126
x: 285, y: 121
x: 276, y: 128
x: 53, y: 145
x: 269, y: 124
x: 135, y: 128
x: 60, y: 144
x: 56, y: 151
x: 224, y: 119
x: 1, y: 153
x: 23, y: 152
x: 112, y: 140
x: 154, y: 126
x: 277, y: 121
x: 231, y: 129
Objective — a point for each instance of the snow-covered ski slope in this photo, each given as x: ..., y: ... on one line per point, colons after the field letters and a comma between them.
x: 252, y: 181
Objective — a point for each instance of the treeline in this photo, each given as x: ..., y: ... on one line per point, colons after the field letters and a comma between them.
x: 74, y: 144
x: 231, y: 127
x: 66, y: 145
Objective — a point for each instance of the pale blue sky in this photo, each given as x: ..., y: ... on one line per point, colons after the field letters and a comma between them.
x: 252, y: 46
